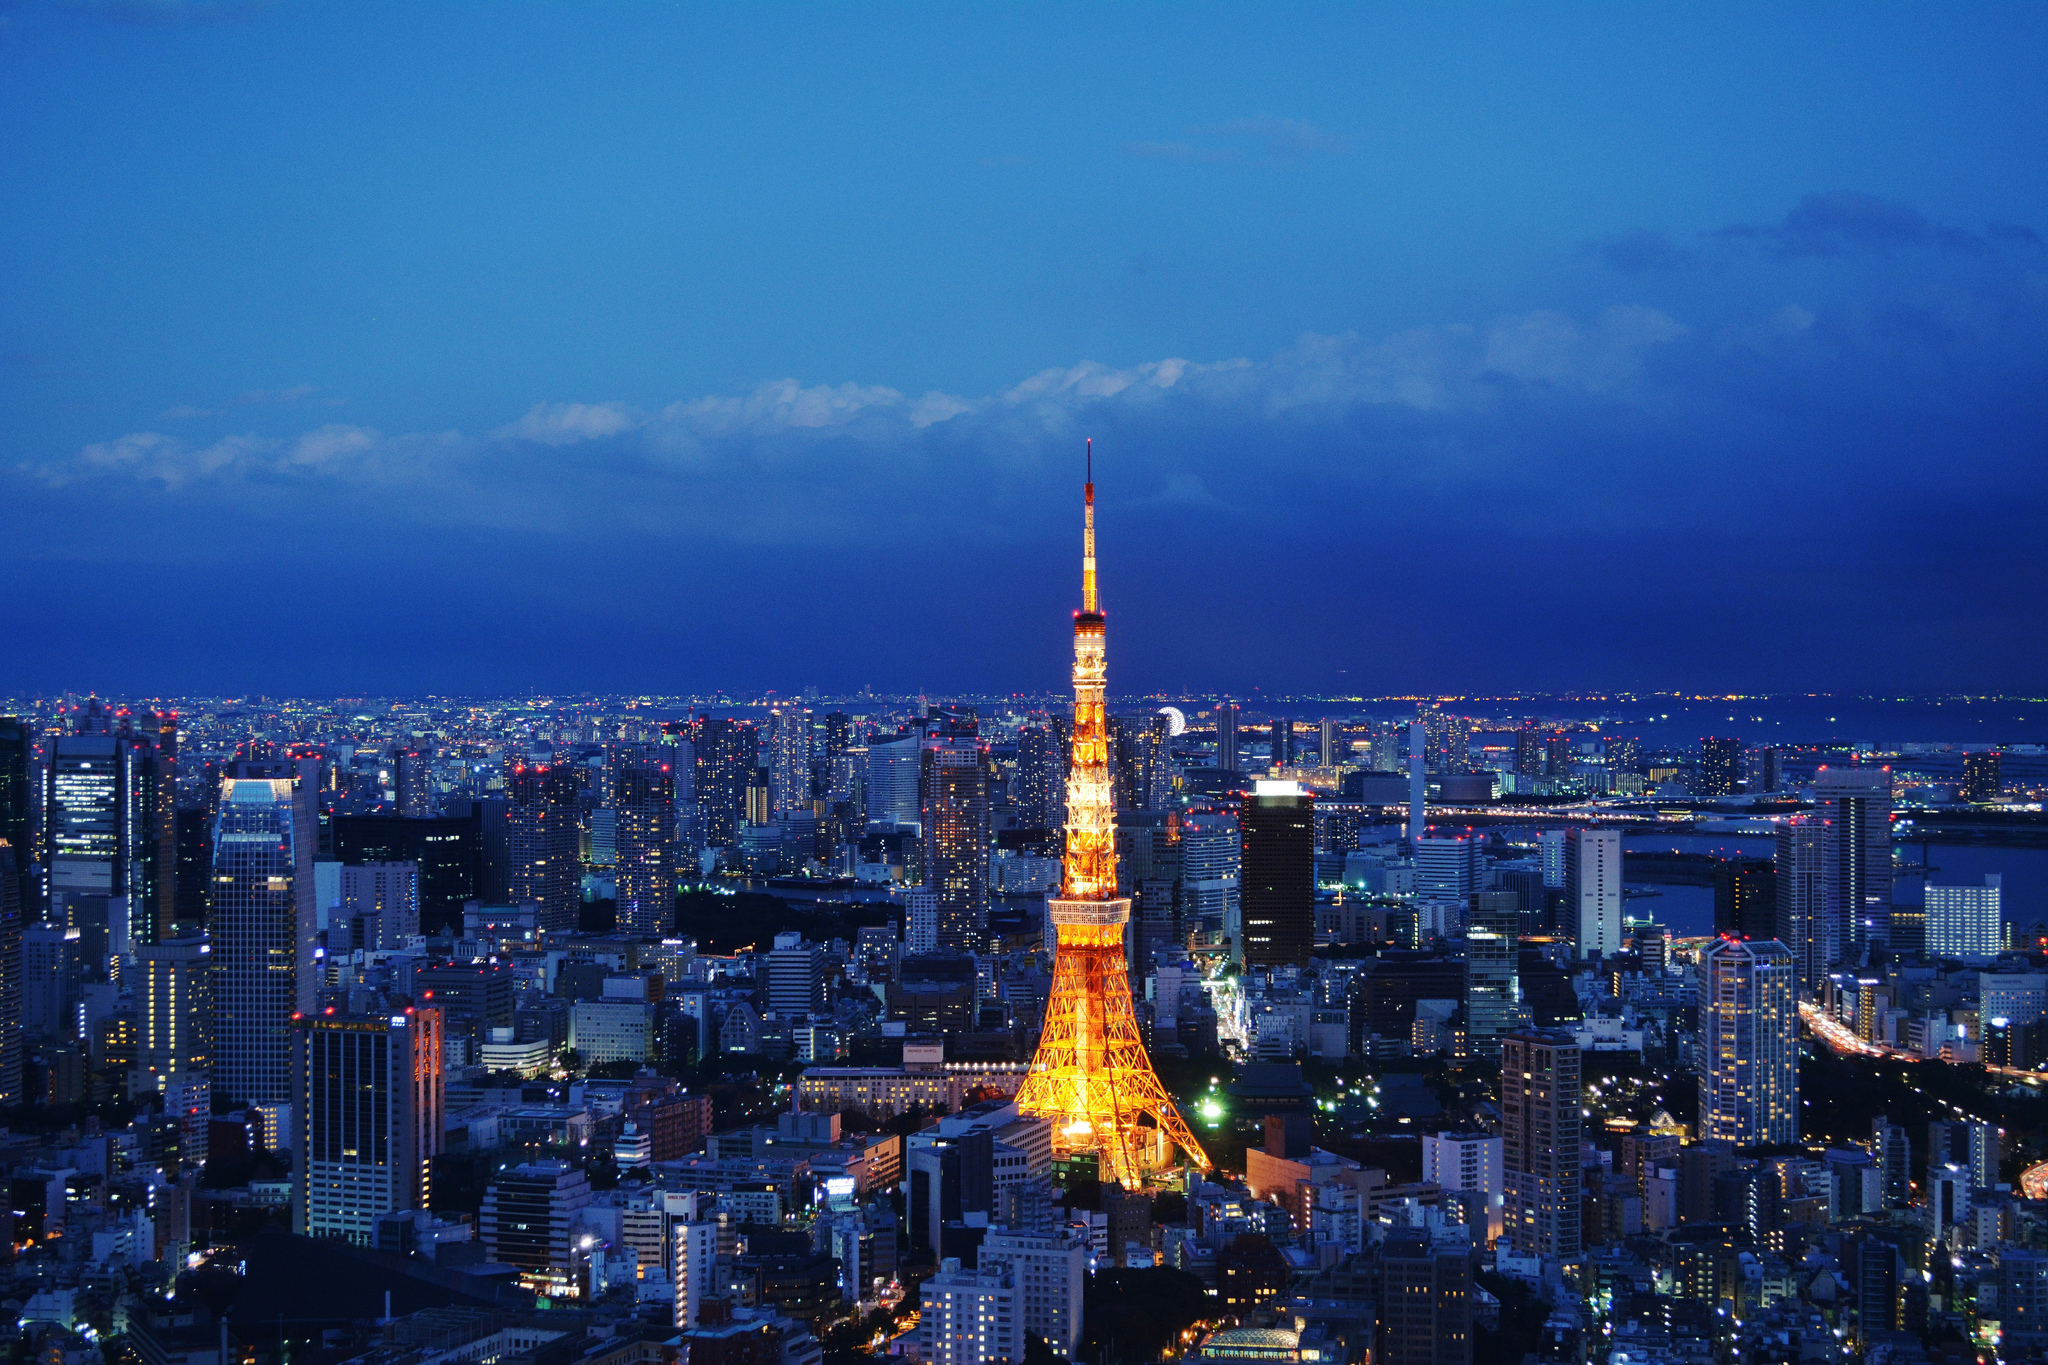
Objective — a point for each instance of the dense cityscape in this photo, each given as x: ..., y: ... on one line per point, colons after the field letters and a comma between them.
x: 1031, y: 684
x: 978, y: 1032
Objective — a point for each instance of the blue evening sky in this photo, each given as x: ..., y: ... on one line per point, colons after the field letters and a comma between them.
x: 360, y: 347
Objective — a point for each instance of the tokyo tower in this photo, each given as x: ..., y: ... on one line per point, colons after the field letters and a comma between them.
x: 1091, y: 1076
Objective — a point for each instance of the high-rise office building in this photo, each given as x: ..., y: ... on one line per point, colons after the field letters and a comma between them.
x: 1447, y: 866
x: 1278, y: 888
x: 970, y: 1317
x: 369, y: 1107
x: 528, y: 1221
x: 17, y: 802
x: 789, y: 759
x: 1973, y: 1147
x: 1050, y: 1269
x: 953, y: 803
x: 10, y: 972
x: 1981, y: 776
x: 1226, y: 737
x: 796, y: 977
x: 542, y: 844
x: 1766, y: 770
x: 1746, y: 898
x: 724, y: 750
x: 1212, y: 852
x: 176, y: 1005
x: 644, y: 806
x: 1540, y: 1098
x: 1966, y: 922
x: 1425, y: 1301
x: 1856, y: 804
x: 103, y: 821
x: 1800, y: 885
x: 1528, y: 750
x: 262, y: 926
x: 1720, y: 769
x: 1333, y: 746
x: 1140, y: 762
x: 1280, y: 743
x: 1493, y: 935
x: 413, y: 779
x: 447, y: 848
x: 1469, y: 1163
x: 1592, y: 889
x: 1749, y: 1043
x: 1041, y: 785
x: 380, y: 902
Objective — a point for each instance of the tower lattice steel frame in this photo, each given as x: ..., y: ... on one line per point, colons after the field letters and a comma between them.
x: 1091, y: 1076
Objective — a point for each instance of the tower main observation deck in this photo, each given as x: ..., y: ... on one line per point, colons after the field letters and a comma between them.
x: 1091, y: 1077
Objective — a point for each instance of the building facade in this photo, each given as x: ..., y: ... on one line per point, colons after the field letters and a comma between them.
x: 1749, y: 1043
x: 369, y: 1110
x: 262, y: 927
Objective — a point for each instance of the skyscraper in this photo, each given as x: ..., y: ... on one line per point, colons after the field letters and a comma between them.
x: 1425, y: 1301
x: 1212, y: 852
x: 1749, y: 1043
x: 1280, y: 743
x: 1592, y: 889
x: 1966, y: 922
x: 262, y: 927
x: 102, y: 819
x: 17, y: 822
x: 176, y: 1004
x: 725, y: 757
x: 1493, y: 934
x: 1801, y: 888
x: 1041, y: 777
x: 953, y: 788
x: 1746, y: 898
x: 369, y: 1092
x: 1226, y: 737
x: 542, y: 844
x: 413, y: 777
x: 1857, y: 805
x: 1540, y: 1099
x: 1529, y: 750
x: 643, y: 800
x: 789, y: 759
x: 1981, y: 777
x: 10, y: 972
x: 1333, y: 746
x: 1720, y: 766
x: 1447, y: 866
x: 1279, y: 875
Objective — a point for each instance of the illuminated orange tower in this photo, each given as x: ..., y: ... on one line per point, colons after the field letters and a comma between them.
x: 1091, y: 1077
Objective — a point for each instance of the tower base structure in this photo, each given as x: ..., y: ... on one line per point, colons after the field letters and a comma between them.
x: 1091, y: 1078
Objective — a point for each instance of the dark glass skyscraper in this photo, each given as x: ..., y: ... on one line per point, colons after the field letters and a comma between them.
x: 954, y: 810
x: 1278, y: 886
x: 542, y: 843
x: 726, y: 759
x: 644, y: 833
x: 1720, y: 766
x: 1856, y: 804
x: 17, y: 750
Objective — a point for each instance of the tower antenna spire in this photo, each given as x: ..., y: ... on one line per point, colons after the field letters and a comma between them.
x: 1088, y: 602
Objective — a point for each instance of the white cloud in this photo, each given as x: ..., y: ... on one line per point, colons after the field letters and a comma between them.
x: 560, y: 424
x: 791, y: 460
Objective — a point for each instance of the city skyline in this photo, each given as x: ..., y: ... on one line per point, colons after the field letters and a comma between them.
x: 1623, y: 396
